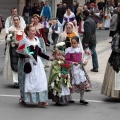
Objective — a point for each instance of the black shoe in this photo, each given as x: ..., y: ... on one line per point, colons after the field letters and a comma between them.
x: 94, y: 70
x: 71, y: 101
x: 110, y: 42
x: 83, y: 102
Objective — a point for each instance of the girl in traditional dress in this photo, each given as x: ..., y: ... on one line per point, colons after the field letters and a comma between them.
x: 59, y: 83
x: 10, y: 71
x: 107, y: 20
x: 40, y: 33
x: 111, y: 83
x: 69, y: 16
x: 46, y: 25
x: 32, y: 78
x: 100, y: 19
x: 74, y: 56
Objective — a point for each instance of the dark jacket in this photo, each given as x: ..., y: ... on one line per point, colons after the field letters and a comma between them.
x: 60, y: 12
x: 27, y: 9
x: 74, y: 9
x: 89, y: 36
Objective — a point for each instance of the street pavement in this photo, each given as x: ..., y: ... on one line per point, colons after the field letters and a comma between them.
x: 100, y: 107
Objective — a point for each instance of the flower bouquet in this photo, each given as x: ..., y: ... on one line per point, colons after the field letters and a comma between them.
x: 65, y: 68
x: 61, y: 46
x: 11, y: 37
x: 26, y: 51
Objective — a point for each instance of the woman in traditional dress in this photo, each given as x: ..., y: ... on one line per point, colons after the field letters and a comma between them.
x: 32, y: 78
x: 10, y: 71
x: 40, y: 33
x: 111, y: 83
x: 68, y: 33
x: 69, y: 16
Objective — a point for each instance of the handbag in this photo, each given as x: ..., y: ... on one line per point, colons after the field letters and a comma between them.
x: 116, y: 43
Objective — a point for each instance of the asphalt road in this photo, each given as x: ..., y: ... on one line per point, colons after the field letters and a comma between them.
x: 99, y: 108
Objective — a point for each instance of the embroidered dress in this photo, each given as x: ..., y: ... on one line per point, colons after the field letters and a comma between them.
x: 10, y: 71
x: 80, y: 79
x: 58, y: 87
x: 111, y: 84
x: 70, y: 18
x: 33, y: 86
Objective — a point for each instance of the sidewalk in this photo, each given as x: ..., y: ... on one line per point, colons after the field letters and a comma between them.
x: 2, y: 36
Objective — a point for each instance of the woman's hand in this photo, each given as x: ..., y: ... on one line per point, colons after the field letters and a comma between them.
x: 16, y: 43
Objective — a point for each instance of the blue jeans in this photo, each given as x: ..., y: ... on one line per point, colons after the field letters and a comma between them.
x: 27, y: 19
x: 94, y: 56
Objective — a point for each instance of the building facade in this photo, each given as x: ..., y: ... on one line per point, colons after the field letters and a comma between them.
x: 6, y: 5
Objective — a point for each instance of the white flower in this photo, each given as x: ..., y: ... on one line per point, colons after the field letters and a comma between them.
x: 52, y: 85
x: 10, y: 35
x: 19, y: 33
x: 60, y: 44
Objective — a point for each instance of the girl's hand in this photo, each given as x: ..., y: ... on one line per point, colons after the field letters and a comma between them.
x: 64, y: 76
x: 75, y: 63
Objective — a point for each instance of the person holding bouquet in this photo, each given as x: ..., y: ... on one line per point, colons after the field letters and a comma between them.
x: 31, y: 73
x: 16, y: 33
x: 59, y: 79
x: 80, y: 80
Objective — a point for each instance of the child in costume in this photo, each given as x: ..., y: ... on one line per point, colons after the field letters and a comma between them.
x: 59, y: 82
x: 55, y: 31
x: 107, y: 20
x: 80, y: 80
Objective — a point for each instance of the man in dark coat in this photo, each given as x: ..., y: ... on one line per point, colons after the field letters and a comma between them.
x: 27, y: 12
x: 101, y: 5
x: 60, y: 13
x: 89, y: 38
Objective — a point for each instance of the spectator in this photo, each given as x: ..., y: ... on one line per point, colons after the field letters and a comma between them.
x: 34, y: 9
x: 46, y: 11
x: 60, y: 13
x: 88, y: 4
x: 89, y: 38
x: 79, y: 14
x: 39, y: 9
x: 85, y: 7
x: 101, y: 5
x: 65, y: 7
x: 74, y: 8
x: 27, y: 12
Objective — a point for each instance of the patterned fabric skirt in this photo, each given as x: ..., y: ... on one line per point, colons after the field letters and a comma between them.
x: 29, y: 97
x: 83, y: 86
x: 108, y: 87
x: 63, y: 97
